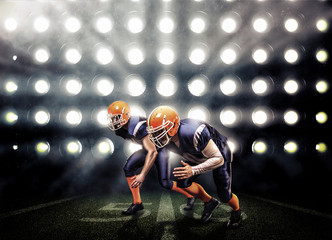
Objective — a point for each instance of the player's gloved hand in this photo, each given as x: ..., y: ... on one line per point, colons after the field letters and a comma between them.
x: 139, y: 179
x: 183, y: 172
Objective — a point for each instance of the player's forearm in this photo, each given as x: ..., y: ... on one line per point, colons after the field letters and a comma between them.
x: 209, y: 165
x: 149, y: 161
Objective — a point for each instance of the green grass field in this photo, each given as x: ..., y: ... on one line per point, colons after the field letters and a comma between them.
x: 99, y: 217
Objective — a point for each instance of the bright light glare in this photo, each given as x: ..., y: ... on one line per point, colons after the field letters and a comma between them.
x: 11, y: 87
x: 167, y: 86
x: 322, y: 25
x: 166, y: 25
x: 135, y: 56
x: 135, y: 25
x: 41, y: 24
x: 260, y: 25
x: 42, y: 117
x: 228, y: 86
x: 200, y: 113
x: 72, y: 24
x: 104, y: 86
x: 42, y: 55
x: 321, y: 147
x: 259, y: 147
x: 137, y: 110
x: 10, y: 117
x: 104, y: 24
x: 291, y: 56
x: 291, y: 117
x: 229, y: 117
x: 74, y: 147
x: 322, y: 56
x: 198, y: 86
x: 232, y: 145
x: 291, y: 24
x: 291, y: 86
x: 103, y: 147
x: 198, y: 55
x: 10, y: 24
x: 42, y: 148
x: 260, y: 86
x: 290, y: 147
x: 322, y: 86
x: 104, y: 55
x: 228, y: 55
x: 74, y: 117
x: 198, y: 25
x: 260, y: 56
x: 73, y: 55
x: 321, y: 117
x: 260, y: 117
x: 130, y: 148
x: 42, y: 86
x: 166, y: 56
x: 101, y: 117
x: 228, y: 25
x: 73, y: 86
x: 136, y: 85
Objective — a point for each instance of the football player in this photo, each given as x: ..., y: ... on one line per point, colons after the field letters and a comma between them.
x: 205, y: 149
x: 134, y: 128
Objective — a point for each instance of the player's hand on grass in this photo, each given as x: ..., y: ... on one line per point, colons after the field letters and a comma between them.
x: 138, y: 180
x: 183, y: 172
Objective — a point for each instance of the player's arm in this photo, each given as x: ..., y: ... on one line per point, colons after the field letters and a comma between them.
x: 149, y: 161
x: 214, y: 160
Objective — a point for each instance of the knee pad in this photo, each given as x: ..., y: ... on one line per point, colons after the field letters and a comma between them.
x: 183, y: 184
x: 128, y: 172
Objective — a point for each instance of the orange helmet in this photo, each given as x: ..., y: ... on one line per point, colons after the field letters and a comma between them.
x: 118, y: 115
x: 163, y: 123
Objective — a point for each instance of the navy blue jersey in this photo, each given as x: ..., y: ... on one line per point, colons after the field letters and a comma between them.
x: 136, y: 130
x: 194, y: 135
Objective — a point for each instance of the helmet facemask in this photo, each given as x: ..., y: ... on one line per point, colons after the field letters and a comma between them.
x: 159, y: 135
x: 115, y: 122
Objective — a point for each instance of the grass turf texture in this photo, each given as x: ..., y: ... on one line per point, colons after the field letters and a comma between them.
x: 93, y: 217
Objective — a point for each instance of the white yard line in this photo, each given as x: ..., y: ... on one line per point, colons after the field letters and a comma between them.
x: 36, y: 207
x: 166, y: 216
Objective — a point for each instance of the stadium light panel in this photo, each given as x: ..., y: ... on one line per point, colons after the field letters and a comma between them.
x: 72, y: 24
x: 103, y: 24
x: 198, y: 54
x: 135, y: 55
x: 291, y: 24
x: 322, y: 86
x: 10, y: 24
x: 198, y: 23
x: 291, y: 117
x: 166, y: 55
x: 42, y: 86
x: 230, y: 22
x: 261, y: 55
x: 321, y: 117
x: 198, y: 85
x: 166, y: 23
x: 261, y: 86
x: 322, y: 25
x: 229, y: 54
x: 199, y: 112
x: 135, y: 24
x: 259, y: 147
x: 104, y: 55
x: 135, y: 85
x: 73, y: 147
x: 322, y: 56
x: 261, y: 116
x: 73, y: 55
x: 166, y: 85
x: 41, y: 24
x: 229, y: 85
x: 73, y: 117
x: 73, y: 86
x: 291, y: 55
x: 260, y: 25
x: 291, y: 86
x: 41, y: 55
x: 104, y: 86
x: 321, y: 147
x: 290, y: 147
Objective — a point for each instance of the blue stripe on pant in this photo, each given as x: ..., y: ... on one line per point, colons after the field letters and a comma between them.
x: 137, y: 159
x: 222, y: 176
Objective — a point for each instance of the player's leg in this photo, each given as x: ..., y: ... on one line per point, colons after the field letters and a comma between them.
x: 135, y: 161
x: 223, y: 179
x: 164, y: 176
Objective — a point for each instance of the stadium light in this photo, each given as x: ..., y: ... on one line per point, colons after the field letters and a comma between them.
x: 262, y: 54
x: 11, y: 86
x: 230, y: 22
x: 41, y: 116
x: 198, y: 23
x: 42, y: 148
x: 321, y: 117
x: 199, y: 112
x: 322, y: 25
x: 99, y: 116
x: 103, y: 85
x: 322, y: 86
x: 198, y: 54
x: 322, y: 55
x: 103, y: 24
x: 41, y: 86
x: 130, y: 148
x: 166, y: 23
x: 135, y: 23
x: 10, y: 24
x: 73, y: 147
x: 73, y: 86
x: 104, y: 55
x: 321, y: 147
x: 259, y: 147
x: 262, y: 22
x: 233, y: 145
x: 41, y: 24
x: 72, y: 24
x: 229, y: 54
x: 137, y: 110
x: 292, y: 55
x: 262, y: 85
x: 166, y: 54
x: 198, y: 85
x: 41, y: 55
x: 135, y: 54
x: 230, y: 116
x: 261, y: 116
x: 73, y: 55
x: 291, y: 24
x: 291, y: 86
x: 290, y: 147
x: 229, y: 85
x: 10, y: 116
x: 73, y: 117
x: 291, y: 117
x: 135, y: 85
x: 104, y: 147
x: 166, y: 85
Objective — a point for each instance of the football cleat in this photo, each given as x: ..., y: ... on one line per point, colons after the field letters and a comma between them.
x: 209, y: 207
x: 235, y: 219
x: 190, y: 204
x: 133, y: 208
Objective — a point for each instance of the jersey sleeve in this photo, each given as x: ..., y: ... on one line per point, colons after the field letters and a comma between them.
x: 201, y: 138
x: 140, y: 132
